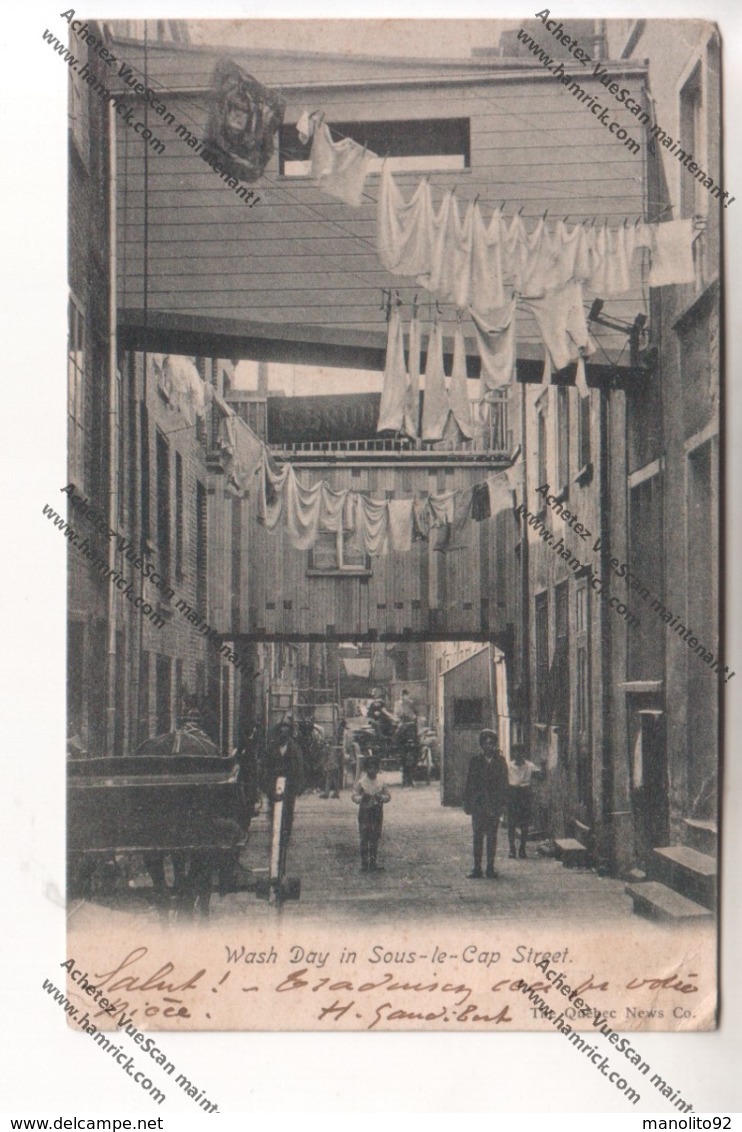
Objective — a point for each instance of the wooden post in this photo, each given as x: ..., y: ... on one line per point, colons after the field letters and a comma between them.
x: 275, y: 866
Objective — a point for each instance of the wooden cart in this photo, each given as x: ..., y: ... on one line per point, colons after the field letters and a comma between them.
x: 188, y: 807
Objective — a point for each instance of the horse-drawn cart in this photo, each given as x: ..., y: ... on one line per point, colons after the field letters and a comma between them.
x: 176, y: 803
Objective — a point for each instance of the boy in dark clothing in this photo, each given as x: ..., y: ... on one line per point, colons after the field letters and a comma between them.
x: 485, y: 798
x: 284, y: 760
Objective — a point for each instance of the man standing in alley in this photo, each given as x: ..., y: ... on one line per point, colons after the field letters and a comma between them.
x: 284, y: 765
x: 404, y: 709
x: 485, y: 798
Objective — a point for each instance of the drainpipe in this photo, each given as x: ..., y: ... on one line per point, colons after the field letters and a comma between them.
x: 606, y: 848
x: 600, y: 41
x: 525, y: 610
x: 113, y: 427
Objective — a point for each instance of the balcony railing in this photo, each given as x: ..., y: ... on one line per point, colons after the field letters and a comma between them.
x: 493, y: 440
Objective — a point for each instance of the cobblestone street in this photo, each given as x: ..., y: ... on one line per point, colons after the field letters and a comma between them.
x: 426, y: 854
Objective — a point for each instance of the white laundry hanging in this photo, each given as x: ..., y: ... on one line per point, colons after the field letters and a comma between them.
x: 458, y: 395
x: 435, y: 402
x: 395, y: 381
x: 411, y: 421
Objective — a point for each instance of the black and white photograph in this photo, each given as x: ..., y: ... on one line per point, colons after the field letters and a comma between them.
x: 391, y: 518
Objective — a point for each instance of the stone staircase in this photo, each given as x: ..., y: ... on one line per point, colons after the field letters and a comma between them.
x: 682, y: 879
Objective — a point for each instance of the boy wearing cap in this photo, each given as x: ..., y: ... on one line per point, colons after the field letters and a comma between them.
x: 370, y: 795
x: 485, y: 798
x: 520, y: 797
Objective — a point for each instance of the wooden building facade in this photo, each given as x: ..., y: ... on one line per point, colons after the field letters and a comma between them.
x: 291, y: 274
x: 304, y: 265
x: 333, y: 592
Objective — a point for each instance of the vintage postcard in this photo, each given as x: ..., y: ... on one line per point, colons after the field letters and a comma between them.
x: 392, y: 512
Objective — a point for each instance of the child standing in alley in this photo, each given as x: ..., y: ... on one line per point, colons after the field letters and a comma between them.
x: 370, y: 794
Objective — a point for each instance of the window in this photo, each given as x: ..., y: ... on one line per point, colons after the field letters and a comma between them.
x: 584, y: 455
x: 419, y: 144
x: 562, y: 425
x: 334, y: 553
x: 164, y: 670
x: 693, y: 196
x: 560, y: 669
x: 201, y: 550
x: 200, y: 678
x: 468, y: 713
x: 581, y: 699
x: 542, y: 656
x: 163, y: 506
x: 541, y: 457
x: 646, y: 517
x: 120, y: 722
x: 144, y: 429
x: 75, y: 677
x: 561, y: 611
x: 132, y: 464
x: 76, y: 393
x: 79, y: 116
x: 581, y: 667
x: 236, y: 562
x: 581, y: 609
x: 179, y: 692
x: 179, y: 524
x: 143, y: 731
x: 701, y: 610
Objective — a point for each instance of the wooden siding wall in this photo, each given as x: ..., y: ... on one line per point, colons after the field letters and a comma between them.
x: 460, y: 594
x: 468, y: 680
x: 298, y: 255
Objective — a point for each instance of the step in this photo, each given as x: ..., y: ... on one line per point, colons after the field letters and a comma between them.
x: 689, y: 872
x: 702, y: 834
x: 656, y: 901
x: 571, y: 852
x: 583, y: 833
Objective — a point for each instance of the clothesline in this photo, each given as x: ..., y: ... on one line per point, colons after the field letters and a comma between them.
x: 375, y: 527
x: 527, y: 122
x: 281, y: 188
x: 325, y: 159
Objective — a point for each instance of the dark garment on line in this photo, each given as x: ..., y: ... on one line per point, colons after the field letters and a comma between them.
x: 480, y: 503
x: 451, y: 536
